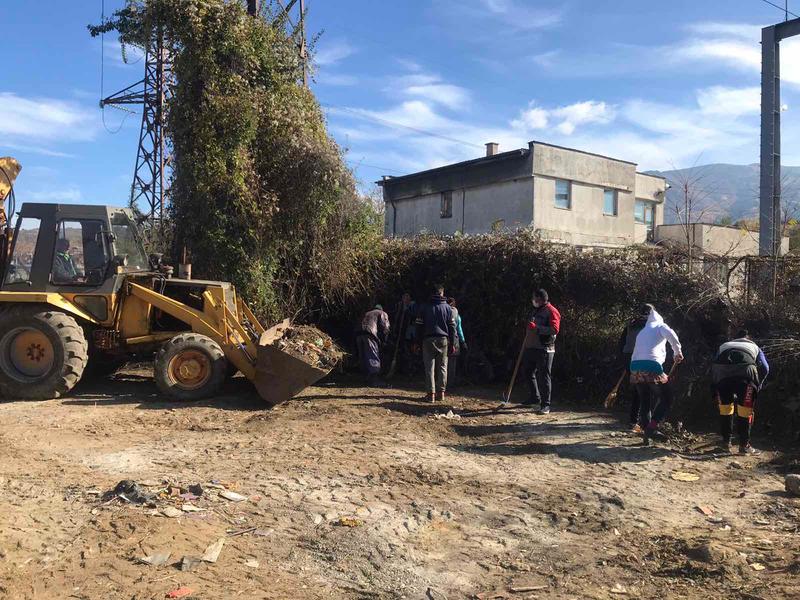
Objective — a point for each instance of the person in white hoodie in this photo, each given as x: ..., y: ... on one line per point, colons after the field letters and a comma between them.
x: 647, y: 370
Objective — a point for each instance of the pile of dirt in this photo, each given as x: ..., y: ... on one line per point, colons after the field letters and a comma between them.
x: 310, y: 345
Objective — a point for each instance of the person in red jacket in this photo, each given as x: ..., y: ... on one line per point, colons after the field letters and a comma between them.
x: 540, y: 349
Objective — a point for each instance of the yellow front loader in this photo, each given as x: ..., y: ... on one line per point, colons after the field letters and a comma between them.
x: 78, y: 292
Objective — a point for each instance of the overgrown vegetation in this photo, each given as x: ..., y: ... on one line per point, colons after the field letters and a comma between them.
x: 261, y: 195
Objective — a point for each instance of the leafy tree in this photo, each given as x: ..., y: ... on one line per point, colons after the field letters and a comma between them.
x: 261, y: 195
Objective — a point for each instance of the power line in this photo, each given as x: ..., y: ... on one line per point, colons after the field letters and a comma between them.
x: 370, y: 117
x: 783, y: 9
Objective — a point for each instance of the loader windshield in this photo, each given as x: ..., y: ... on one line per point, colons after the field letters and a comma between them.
x: 127, y: 243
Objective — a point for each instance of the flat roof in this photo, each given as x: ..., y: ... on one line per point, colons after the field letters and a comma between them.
x: 520, y: 152
x: 651, y: 175
x: 583, y: 152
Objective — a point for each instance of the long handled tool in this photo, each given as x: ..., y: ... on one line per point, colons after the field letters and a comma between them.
x: 507, y: 395
x: 393, y: 367
x: 612, y: 395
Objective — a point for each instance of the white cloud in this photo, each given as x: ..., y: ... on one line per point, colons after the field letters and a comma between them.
x: 520, y: 15
x: 733, y: 102
x: 451, y: 96
x: 568, y: 117
x: 66, y: 194
x: 333, y: 52
x: 336, y: 79
x: 45, y: 119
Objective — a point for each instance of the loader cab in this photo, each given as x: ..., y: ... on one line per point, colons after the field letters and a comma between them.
x: 69, y: 249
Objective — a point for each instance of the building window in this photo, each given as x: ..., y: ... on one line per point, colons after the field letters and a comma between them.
x: 447, y: 205
x: 563, y: 199
x: 610, y: 203
x: 644, y: 212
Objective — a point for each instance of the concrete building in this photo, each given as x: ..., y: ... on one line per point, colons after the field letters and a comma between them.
x: 564, y: 195
x: 714, y: 240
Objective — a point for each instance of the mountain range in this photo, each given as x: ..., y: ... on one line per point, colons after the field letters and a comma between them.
x: 723, y: 191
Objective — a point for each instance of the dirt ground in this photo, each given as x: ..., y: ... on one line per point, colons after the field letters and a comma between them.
x: 365, y: 493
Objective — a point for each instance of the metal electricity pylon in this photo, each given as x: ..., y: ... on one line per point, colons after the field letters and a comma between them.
x: 150, y: 187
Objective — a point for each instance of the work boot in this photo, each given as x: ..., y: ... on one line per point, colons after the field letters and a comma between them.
x: 439, y: 396
x: 749, y: 450
x: 545, y: 410
x: 429, y: 397
x: 725, y: 446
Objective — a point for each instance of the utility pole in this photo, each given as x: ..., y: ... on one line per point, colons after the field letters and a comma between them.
x: 150, y: 187
x: 770, y: 188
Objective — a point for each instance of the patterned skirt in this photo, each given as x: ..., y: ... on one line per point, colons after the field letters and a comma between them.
x: 647, y: 377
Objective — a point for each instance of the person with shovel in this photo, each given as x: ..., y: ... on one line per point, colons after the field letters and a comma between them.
x: 627, y: 342
x: 436, y: 328
x: 540, y: 349
x: 738, y: 372
x: 647, y: 370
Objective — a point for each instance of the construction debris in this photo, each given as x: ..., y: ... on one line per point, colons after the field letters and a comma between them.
x: 212, y: 552
x: 130, y: 491
x: 310, y: 345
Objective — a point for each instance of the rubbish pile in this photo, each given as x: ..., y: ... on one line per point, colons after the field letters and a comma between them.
x: 310, y: 345
x: 171, y: 499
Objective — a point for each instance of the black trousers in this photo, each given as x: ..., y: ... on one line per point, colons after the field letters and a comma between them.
x: 655, y: 400
x: 736, y: 396
x: 537, y: 367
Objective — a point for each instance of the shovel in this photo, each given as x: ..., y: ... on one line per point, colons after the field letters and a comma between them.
x: 393, y: 367
x: 507, y: 395
x: 612, y: 395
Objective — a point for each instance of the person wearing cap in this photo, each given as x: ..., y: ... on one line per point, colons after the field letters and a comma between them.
x: 647, y: 370
x: 371, y: 335
x: 738, y: 373
x: 436, y: 328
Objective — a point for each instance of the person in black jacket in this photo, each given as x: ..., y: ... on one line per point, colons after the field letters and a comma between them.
x: 627, y: 342
x: 436, y: 329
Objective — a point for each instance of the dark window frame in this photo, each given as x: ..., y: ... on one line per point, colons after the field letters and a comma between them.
x: 446, y: 205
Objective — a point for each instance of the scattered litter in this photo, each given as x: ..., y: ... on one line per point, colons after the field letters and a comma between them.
x: 156, y: 560
x: 715, y: 519
x: 240, y: 531
x: 527, y: 588
x: 616, y: 532
x: 94, y: 492
x: 216, y: 486
x: 232, y: 496
x: 684, y: 476
x: 618, y: 589
x: 347, y: 522
x: 196, y: 489
x: 129, y: 491
x: 761, y: 522
x: 189, y: 497
x: 191, y: 508
x: 150, y: 483
x: 181, y: 592
x: 189, y: 562
x: 212, y: 552
x: 757, y: 567
x: 705, y: 510
x: 253, y: 564
x: 792, y: 483
x: 450, y: 415
x: 263, y: 532
x: 318, y: 519
x: 171, y: 512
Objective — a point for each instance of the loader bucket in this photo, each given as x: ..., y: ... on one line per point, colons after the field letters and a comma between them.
x: 279, y: 375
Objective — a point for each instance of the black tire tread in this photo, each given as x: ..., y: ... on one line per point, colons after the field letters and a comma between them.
x: 181, y: 342
x: 76, y: 353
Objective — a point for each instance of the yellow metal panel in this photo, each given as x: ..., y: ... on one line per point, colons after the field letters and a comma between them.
x: 56, y: 300
x: 134, y: 318
x: 744, y: 411
x: 154, y: 338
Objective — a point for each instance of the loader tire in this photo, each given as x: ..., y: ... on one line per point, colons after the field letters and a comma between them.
x: 190, y: 366
x: 43, y: 353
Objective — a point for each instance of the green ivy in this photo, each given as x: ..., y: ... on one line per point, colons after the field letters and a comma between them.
x: 261, y: 195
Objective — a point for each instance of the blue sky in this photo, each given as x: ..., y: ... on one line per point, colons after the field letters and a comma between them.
x: 659, y: 83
